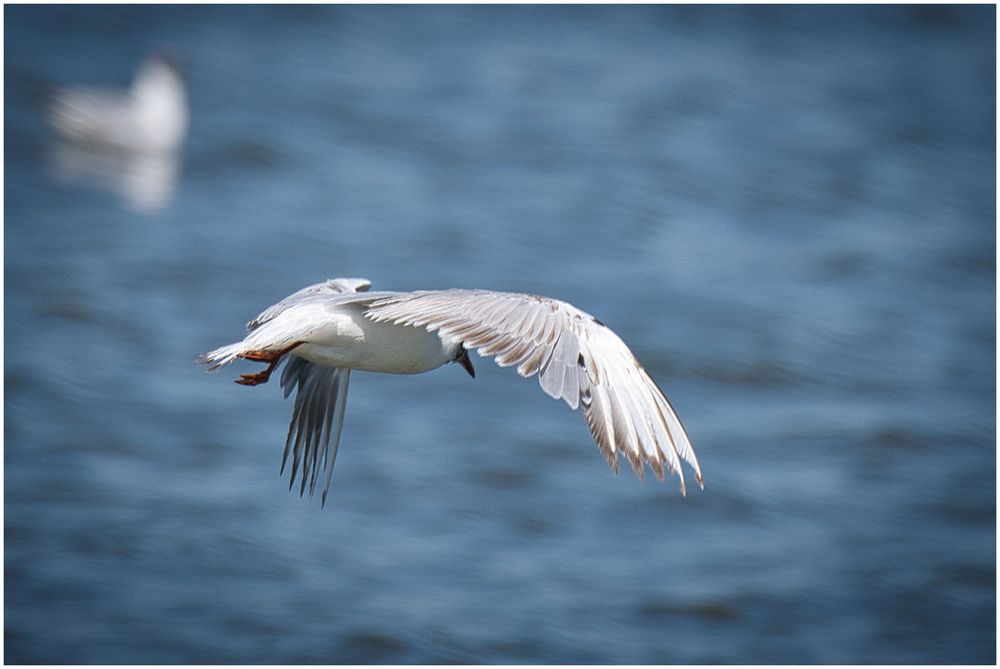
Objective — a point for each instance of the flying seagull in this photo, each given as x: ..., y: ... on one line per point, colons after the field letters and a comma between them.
x: 328, y: 329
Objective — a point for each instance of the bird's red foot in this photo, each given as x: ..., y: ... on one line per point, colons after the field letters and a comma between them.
x: 254, y: 379
x: 272, y: 358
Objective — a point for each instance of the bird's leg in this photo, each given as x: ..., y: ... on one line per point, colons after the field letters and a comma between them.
x: 260, y: 356
x: 270, y: 357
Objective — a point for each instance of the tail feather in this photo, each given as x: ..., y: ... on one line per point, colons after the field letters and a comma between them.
x: 222, y: 356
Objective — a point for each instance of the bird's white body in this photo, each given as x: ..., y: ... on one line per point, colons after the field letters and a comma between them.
x: 328, y: 329
x: 349, y: 340
x: 152, y: 115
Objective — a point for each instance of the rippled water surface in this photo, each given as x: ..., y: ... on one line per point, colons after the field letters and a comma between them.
x: 787, y: 213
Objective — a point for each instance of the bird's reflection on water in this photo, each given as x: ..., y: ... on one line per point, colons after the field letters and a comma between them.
x: 145, y: 181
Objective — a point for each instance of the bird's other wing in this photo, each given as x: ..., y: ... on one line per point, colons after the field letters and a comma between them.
x: 317, y: 420
x: 328, y: 287
x: 320, y: 392
x: 89, y: 114
x: 577, y: 358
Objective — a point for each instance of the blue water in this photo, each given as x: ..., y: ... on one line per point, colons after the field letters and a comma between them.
x: 788, y: 214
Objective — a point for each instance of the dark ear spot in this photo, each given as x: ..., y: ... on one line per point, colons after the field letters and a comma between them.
x: 579, y: 360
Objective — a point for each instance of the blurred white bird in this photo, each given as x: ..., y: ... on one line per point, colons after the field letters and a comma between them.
x: 151, y: 115
x: 330, y: 328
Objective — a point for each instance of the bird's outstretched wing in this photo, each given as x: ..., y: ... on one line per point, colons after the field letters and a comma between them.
x: 577, y: 358
x: 317, y: 420
x: 320, y: 397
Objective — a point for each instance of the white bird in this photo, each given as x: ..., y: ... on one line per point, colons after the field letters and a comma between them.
x: 328, y: 329
x: 152, y: 115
